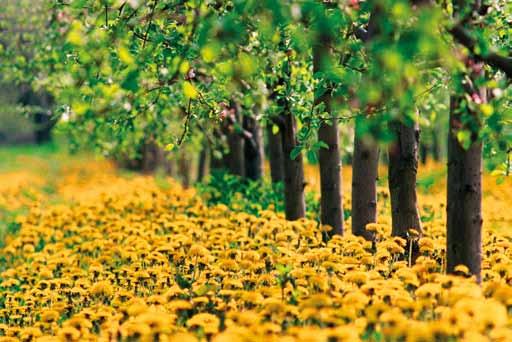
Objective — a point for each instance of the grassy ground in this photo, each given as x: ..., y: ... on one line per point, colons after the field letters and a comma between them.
x: 32, y: 175
x: 13, y: 158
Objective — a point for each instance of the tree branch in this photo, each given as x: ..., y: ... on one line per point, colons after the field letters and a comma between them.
x: 503, y: 63
x: 187, y: 122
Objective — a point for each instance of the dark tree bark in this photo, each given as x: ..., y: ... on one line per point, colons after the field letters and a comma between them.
x: 464, y: 193
x: 163, y: 162
x: 364, y: 184
x: 365, y: 165
x: 150, y: 158
x: 275, y: 155
x: 295, y: 205
x: 436, y: 149
x: 216, y: 163
x: 424, y: 148
x: 253, y: 148
x: 202, y: 163
x: 501, y: 62
x: 42, y: 117
x: 184, y: 169
x: 464, y: 185
x: 331, y: 205
x: 170, y: 167
x: 403, y: 167
x: 234, y: 160
x: 331, y: 208
x: 293, y: 169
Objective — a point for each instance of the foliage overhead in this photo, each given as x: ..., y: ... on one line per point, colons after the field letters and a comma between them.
x: 125, y: 70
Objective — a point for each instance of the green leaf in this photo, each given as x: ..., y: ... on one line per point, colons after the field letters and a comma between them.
x: 275, y: 129
x: 486, y: 109
x: 201, y: 291
x: 184, y: 67
x: 464, y: 138
x: 321, y: 144
x: 295, y: 152
x: 210, y: 52
x: 189, y: 90
x: 125, y: 56
x: 312, y: 156
x: 131, y: 82
x: 182, y: 282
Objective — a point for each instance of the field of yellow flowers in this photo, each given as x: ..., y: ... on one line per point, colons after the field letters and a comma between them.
x: 123, y: 258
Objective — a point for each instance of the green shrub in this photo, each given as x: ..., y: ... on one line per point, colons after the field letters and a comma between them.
x: 249, y: 196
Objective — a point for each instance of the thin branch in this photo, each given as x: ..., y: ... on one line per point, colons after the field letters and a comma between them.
x: 149, y: 23
x: 121, y: 8
x: 205, y: 132
x: 131, y: 15
x: 380, y: 109
x: 203, y: 101
x: 187, y: 123
x: 106, y: 15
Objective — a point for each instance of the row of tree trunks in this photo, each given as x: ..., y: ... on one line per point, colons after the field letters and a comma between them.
x: 402, y: 170
x: 464, y: 220
x: 244, y: 156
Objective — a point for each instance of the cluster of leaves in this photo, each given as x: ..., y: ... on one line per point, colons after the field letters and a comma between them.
x: 249, y: 196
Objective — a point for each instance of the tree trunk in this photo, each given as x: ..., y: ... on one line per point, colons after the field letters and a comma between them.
x: 184, y: 169
x: 275, y: 155
x: 202, y: 163
x: 150, y: 157
x: 217, y: 157
x: 464, y: 193
x: 365, y: 163
x: 403, y: 166
x: 331, y: 208
x: 169, y: 166
x: 364, y: 183
x: 216, y: 164
x: 295, y: 205
x: 42, y: 118
x: 436, y: 149
x: 253, y: 148
x: 162, y: 161
x: 234, y: 160
x: 424, y: 148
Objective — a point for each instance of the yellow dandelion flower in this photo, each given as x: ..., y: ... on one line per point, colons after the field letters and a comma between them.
x: 208, y: 322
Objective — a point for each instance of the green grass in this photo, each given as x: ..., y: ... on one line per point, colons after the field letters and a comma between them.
x: 9, y: 155
x: 50, y: 156
x: 424, y: 183
x: 8, y: 224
